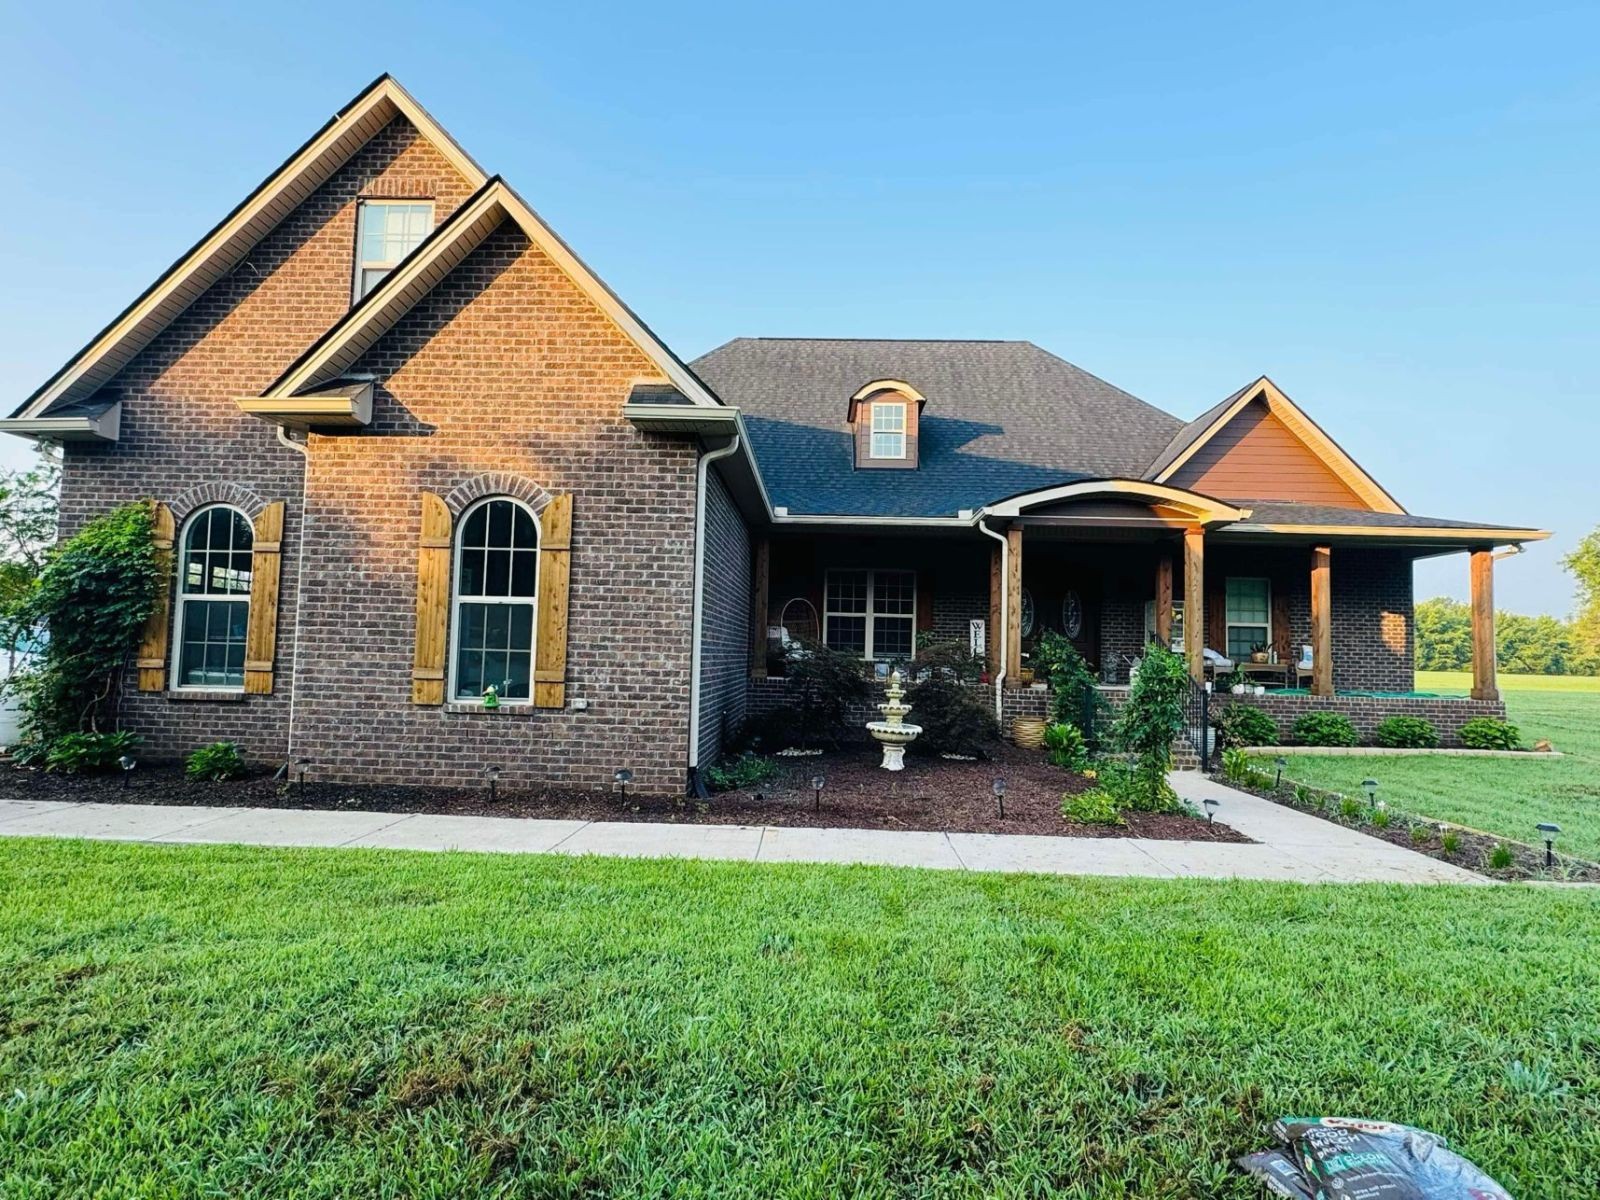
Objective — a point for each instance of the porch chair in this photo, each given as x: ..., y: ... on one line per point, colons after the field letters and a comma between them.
x: 1302, y: 667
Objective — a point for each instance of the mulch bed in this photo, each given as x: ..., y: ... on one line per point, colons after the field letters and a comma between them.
x: 1472, y: 850
x: 930, y: 794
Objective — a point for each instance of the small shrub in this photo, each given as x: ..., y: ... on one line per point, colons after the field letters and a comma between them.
x: 86, y: 753
x: 1381, y: 818
x: 767, y: 732
x: 1450, y: 841
x: 1501, y: 857
x: 220, y: 760
x: 1152, y: 718
x: 1490, y: 733
x: 1066, y: 746
x: 746, y: 770
x: 955, y: 717
x: 1093, y: 807
x: 1246, y: 725
x: 822, y: 684
x: 1255, y: 777
x: 1350, y: 808
x: 1325, y: 729
x: 1304, y: 795
x: 1420, y: 834
x: 1410, y: 733
x: 1074, y: 698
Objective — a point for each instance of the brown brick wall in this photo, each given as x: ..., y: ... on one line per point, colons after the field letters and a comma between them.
x: 1448, y: 713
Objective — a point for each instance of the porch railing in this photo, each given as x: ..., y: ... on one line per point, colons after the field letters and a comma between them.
x: 1197, y: 722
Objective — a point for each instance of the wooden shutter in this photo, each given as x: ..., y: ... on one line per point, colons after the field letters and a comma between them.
x: 550, y: 640
x: 1282, y: 641
x: 261, y: 636
x: 152, y: 660
x: 433, y: 602
x: 1217, y: 616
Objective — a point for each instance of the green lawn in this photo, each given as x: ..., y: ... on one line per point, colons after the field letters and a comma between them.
x: 186, y: 1021
x: 1504, y: 796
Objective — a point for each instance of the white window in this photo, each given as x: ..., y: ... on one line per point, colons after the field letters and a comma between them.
x: 1249, y: 616
x: 214, y: 598
x: 889, y: 429
x: 387, y: 231
x: 871, y: 613
x: 496, y: 595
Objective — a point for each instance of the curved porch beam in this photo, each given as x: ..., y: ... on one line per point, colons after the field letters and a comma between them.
x: 1203, y: 510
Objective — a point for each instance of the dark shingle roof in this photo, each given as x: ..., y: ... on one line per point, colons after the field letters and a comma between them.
x: 1283, y: 512
x: 1001, y: 418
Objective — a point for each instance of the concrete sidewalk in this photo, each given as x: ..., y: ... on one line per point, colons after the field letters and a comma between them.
x: 1291, y: 846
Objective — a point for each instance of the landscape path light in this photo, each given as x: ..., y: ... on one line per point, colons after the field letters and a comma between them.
x: 1370, y: 786
x: 492, y: 773
x: 127, y: 762
x: 1280, y: 762
x: 1211, y: 807
x: 623, y: 778
x: 301, y: 764
x: 817, y: 784
x: 1000, y: 794
x: 1549, y: 829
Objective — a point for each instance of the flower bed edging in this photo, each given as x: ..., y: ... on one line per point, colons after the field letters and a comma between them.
x: 1400, y: 751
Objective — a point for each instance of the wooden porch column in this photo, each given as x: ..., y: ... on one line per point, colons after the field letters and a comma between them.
x: 1484, y: 684
x: 1164, y: 598
x: 1321, y: 621
x: 1014, y: 607
x: 991, y: 639
x: 1194, y: 602
x: 761, y: 576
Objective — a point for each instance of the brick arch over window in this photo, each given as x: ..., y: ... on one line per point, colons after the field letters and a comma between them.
x: 496, y: 483
x: 246, y: 501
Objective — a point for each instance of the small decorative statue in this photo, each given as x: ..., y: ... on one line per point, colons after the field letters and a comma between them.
x: 491, y: 697
x: 892, y: 730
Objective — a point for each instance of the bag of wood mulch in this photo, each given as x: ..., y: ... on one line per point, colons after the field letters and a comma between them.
x: 1345, y: 1158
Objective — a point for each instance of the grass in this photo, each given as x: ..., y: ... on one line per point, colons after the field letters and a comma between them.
x: 1503, y: 796
x: 186, y: 1021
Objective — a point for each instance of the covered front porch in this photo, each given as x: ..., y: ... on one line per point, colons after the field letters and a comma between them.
x: 1315, y: 616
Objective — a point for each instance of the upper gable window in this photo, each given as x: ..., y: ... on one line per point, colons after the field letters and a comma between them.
x: 888, y: 429
x: 387, y: 231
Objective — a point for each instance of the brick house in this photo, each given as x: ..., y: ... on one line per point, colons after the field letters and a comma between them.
x: 404, y: 446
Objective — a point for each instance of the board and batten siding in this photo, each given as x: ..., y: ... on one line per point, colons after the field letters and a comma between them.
x: 1256, y: 457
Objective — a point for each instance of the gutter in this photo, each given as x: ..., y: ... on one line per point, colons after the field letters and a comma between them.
x: 1004, y: 622
x: 304, y: 451
x: 706, y: 460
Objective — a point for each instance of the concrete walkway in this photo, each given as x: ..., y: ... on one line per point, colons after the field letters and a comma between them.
x: 1291, y: 846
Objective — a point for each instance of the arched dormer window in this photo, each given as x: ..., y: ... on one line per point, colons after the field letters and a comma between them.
x: 885, y: 417
x: 496, y: 587
x: 213, y: 600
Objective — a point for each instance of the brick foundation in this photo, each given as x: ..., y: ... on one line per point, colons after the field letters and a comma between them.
x: 1447, y: 713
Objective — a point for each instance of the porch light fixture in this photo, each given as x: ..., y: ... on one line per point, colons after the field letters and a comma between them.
x: 1549, y: 830
x: 623, y: 777
x: 1280, y: 762
x: 817, y: 784
x: 1370, y: 787
x: 301, y: 764
x: 1211, y: 807
x: 1000, y: 794
x: 127, y: 762
x: 492, y: 774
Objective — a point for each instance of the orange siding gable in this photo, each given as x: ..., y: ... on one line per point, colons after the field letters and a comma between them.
x: 1256, y: 458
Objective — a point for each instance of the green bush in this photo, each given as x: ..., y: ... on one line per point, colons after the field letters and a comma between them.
x: 822, y: 684
x: 1325, y: 729
x: 87, y: 753
x: 1450, y: 841
x: 219, y: 760
x: 767, y: 732
x: 1093, y: 807
x: 956, y: 718
x: 1152, y: 718
x: 1406, y: 732
x: 88, y: 609
x: 1246, y: 725
x: 746, y: 770
x: 1074, y: 698
x: 1501, y: 857
x: 1066, y: 746
x: 1350, y: 808
x: 1235, y: 762
x: 1490, y: 733
x: 1126, y: 782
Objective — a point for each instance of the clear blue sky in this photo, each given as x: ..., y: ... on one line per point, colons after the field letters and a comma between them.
x: 1390, y: 209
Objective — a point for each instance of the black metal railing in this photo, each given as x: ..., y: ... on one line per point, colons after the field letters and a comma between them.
x: 1197, y: 722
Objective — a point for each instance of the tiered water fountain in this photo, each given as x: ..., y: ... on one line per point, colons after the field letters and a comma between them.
x: 892, y: 731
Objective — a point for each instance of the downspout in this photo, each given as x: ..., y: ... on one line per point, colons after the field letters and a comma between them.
x: 706, y: 460
x: 1005, y: 623
x: 304, y: 451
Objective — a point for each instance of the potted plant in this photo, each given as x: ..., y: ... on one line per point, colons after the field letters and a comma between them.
x: 1258, y: 652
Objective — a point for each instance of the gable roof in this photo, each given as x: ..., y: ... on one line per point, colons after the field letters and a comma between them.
x: 338, y: 349
x: 1001, y: 418
x: 232, y: 239
x: 1193, y: 436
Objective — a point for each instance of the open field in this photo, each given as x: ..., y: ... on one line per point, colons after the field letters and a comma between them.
x: 1504, y: 796
x: 231, y: 1021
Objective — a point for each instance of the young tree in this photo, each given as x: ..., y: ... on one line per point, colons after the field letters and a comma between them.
x: 28, y: 517
x: 1584, y: 564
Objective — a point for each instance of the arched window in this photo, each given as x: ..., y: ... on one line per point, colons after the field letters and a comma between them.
x: 496, y: 593
x: 214, y: 598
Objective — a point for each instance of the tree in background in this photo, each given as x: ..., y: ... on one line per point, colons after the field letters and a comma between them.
x: 28, y: 516
x: 1444, y: 635
x: 1584, y: 564
x: 1524, y: 645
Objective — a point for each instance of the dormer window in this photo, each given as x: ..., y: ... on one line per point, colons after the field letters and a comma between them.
x: 884, y: 418
x: 888, y: 429
x: 387, y: 231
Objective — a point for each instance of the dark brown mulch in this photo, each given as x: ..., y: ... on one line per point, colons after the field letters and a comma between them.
x: 930, y: 794
x: 1472, y: 848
